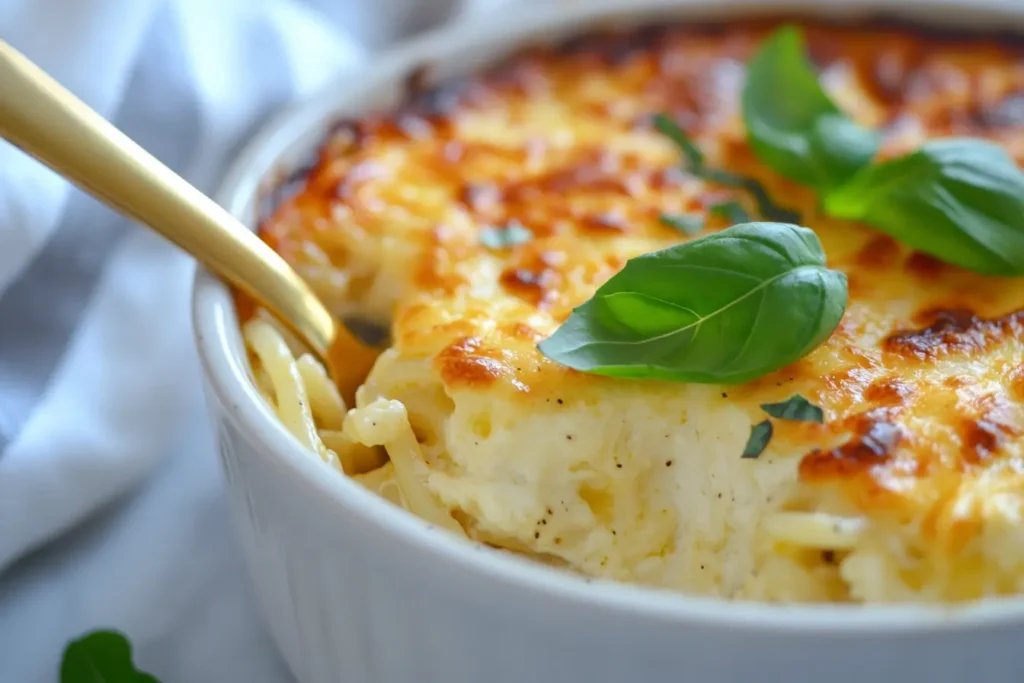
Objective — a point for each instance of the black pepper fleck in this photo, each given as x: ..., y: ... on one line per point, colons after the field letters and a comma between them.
x: 619, y: 465
x: 568, y: 437
x: 725, y: 395
x: 560, y: 401
x: 536, y: 534
x: 668, y: 463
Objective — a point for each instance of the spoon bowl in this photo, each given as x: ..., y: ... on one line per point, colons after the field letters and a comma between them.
x: 43, y: 119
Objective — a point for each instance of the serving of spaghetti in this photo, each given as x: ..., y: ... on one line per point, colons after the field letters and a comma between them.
x: 471, y: 220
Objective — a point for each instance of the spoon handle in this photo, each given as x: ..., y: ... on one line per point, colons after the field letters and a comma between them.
x: 43, y: 119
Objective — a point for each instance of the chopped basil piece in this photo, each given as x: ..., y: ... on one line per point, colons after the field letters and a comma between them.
x: 695, y: 164
x: 503, y: 237
x: 730, y: 211
x: 796, y: 408
x: 688, y: 224
x: 760, y: 435
x: 693, y: 155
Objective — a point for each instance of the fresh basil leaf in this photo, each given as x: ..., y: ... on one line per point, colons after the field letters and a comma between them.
x: 101, y: 657
x: 695, y: 164
x: 793, y: 125
x: 688, y: 224
x: 796, y: 408
x: 960, y: 200
x: 692, y: 154
x: 505, y: 236
x: 730, y: 211
x: 760, y: 435
x: 724, y: 308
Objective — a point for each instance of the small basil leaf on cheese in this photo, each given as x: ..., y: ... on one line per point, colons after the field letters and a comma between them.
x: 796, y: 408
x: 101, y: 657
x: 760, y: 435
x: 730, y: 211
x: 694, y: 163
x: 723, y: 308
x: 960, y: 200
x: 688, y: 224
x: 793, y: 125
x: 502, y: 237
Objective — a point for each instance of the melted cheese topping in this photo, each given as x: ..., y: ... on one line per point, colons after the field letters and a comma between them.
x: 913, y: 489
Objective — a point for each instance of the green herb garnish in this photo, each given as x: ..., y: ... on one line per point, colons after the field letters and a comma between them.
x: 688, y: 224
x: 765, y: 206
x: 730, y: 211
x: 694, y: 157
x: 796, y: 408
x: 695, y: 164
x: 959, y: 200
x: 723, y: 308
x: 101, y: 657
x: 793, y: 125
x: 502, y: 237
x: 760, y: 435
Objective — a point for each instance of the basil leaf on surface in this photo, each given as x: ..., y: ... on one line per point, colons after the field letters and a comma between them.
x: 695, y: 165
x: 724, y: 308
x: 101, y: 657
x: 730, y: 211
x: 797, y: 408
x: 502, y: 237
x: 688, y: 224
x: 793, y: 125
x: 960, y: 200
x: 760, y: 435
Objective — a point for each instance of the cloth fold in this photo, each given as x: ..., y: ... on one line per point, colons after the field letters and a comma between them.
x: 93, y: 310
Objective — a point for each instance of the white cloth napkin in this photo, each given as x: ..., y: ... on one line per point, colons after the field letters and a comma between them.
x: 93, y: 310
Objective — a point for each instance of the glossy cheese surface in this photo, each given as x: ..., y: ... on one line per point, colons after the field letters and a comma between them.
x: 921, y: 455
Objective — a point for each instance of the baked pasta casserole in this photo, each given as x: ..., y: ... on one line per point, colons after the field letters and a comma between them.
x: 473, y: 219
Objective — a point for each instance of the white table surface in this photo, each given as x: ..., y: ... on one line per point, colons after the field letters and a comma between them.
x: 161, y: 565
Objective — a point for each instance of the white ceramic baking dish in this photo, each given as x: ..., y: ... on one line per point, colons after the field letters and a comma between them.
x: 358, y: 591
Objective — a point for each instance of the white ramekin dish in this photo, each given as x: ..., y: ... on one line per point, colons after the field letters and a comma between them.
x: 356, y: 590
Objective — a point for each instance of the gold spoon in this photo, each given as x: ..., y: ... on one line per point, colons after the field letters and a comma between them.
x: 43, y: 119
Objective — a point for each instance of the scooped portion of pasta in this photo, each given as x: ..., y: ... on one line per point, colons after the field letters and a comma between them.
x: 472, y: 220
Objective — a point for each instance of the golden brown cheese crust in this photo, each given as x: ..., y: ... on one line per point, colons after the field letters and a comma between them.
x: 921, y: 384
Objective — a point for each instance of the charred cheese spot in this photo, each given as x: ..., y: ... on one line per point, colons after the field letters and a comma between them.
x: 956, y: 331
x: 881, y: 251
x: 888, y: 391
x: 872, y: 443
x: 924, y: 266
x: 922, y: 384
